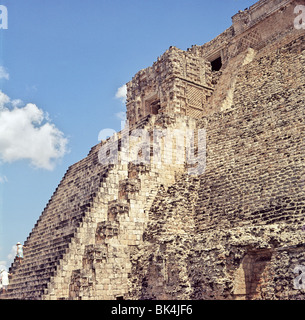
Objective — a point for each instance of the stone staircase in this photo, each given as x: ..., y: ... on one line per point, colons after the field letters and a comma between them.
x: 81, y: 245
x: 50, y: 238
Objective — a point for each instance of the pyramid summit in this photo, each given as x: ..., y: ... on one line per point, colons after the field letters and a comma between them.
x: 201, y: 195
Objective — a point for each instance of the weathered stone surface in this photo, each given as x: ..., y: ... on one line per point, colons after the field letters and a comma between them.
x: 141, y: 230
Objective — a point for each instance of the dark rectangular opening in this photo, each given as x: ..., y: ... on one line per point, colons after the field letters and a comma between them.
x: 216, y: 64
x: 155, y: 106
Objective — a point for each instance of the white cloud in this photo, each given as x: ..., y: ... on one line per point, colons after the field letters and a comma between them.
x: 121, y: 115
x: 4, y: 99
x: 26, y: 133
x: 11, y: 256
x: 4, y: 264
x: 3, y: 73
x: 122, y: 93
x: 3, y: 179
x: 16, y: 103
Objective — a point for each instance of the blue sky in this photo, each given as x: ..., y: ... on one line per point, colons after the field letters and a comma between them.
x: 61, y: 65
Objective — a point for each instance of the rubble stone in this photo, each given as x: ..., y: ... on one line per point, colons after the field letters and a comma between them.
x: 150, y: 230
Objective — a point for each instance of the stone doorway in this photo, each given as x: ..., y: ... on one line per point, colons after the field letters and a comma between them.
x: 252, y: 275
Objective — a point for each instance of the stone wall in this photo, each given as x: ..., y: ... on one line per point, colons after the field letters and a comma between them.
x: 238, y: 227
x: 81, y: 245
x: 102, y: 268
x: 50, y: 238
x: 121, y: 225
x: 179, y: 82
x: 255, y: 27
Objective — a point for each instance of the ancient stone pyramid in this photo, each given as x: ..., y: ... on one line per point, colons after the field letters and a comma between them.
x: 122, y: 226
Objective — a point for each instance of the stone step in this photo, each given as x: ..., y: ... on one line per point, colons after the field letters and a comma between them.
x: 48, y: 242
